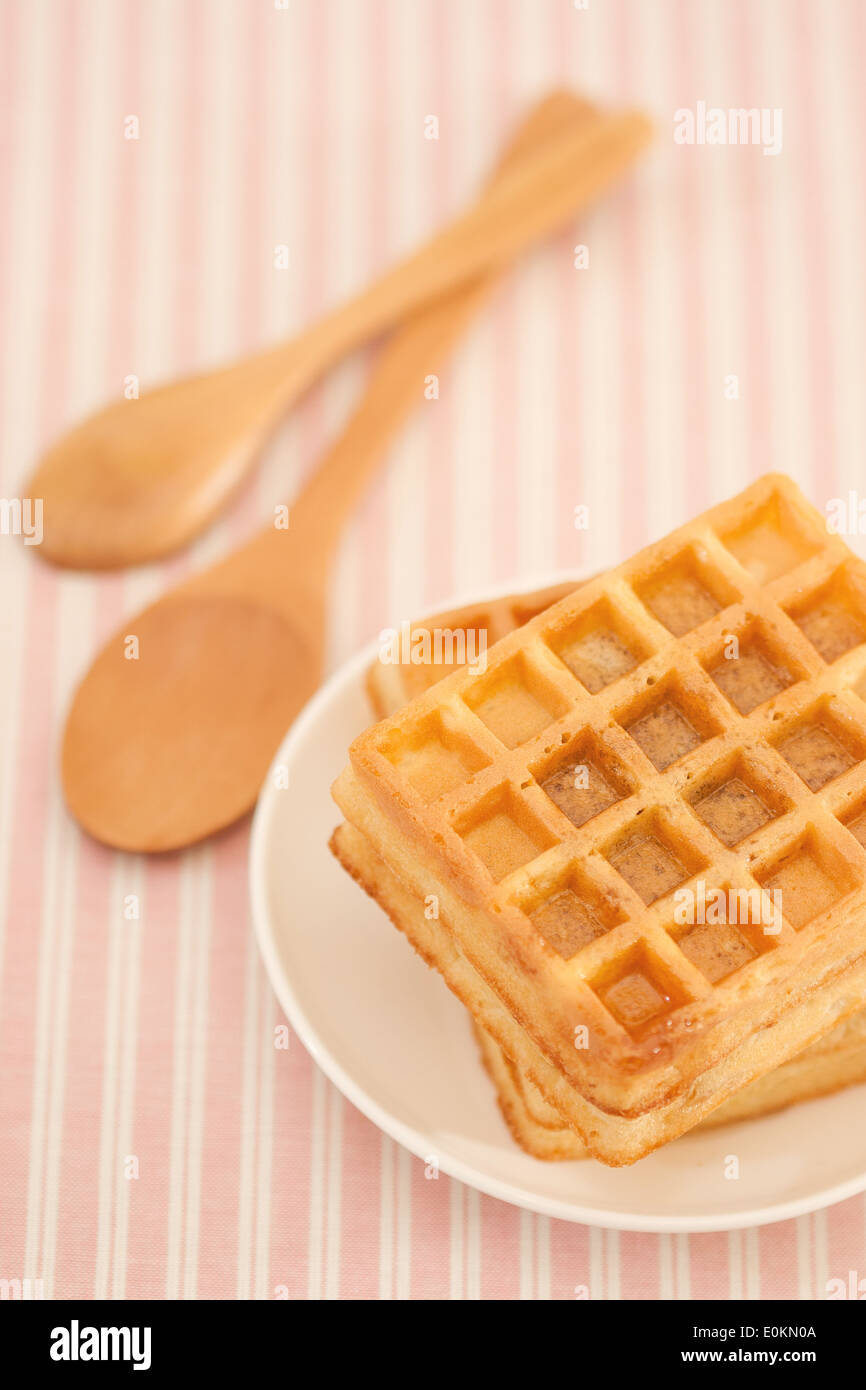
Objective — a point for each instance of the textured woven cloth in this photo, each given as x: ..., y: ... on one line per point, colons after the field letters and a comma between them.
x: 155, y: 156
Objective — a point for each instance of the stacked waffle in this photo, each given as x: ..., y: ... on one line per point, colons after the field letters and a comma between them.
x: 633, y: 843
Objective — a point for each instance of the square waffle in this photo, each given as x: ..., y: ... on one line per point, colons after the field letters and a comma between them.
x: 834, y: 1062
x: 694, y: 683
x: 837, y: 1061
x: 522, y: 1085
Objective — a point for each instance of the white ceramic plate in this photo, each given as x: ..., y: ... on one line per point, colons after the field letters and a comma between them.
x: 390, y: 1035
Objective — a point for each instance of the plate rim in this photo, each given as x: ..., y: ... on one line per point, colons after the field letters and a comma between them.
x: 407, y: 1135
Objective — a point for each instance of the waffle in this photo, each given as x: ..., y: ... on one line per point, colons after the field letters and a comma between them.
x: 836, y: 1061
x: 743, y: 774
x: 391, y: 683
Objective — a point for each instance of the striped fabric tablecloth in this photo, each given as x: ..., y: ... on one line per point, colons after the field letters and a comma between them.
x: 152, y: 1140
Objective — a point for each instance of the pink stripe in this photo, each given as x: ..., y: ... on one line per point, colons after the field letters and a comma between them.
x: 293, y: 1094
x: 709, y: 1270
x: 218, y: 1236
x: 806, y: 138
x: 500, y: 1236
x: 440, y: 156
x: 777, y: 1247
x: 691, y: 235
x: 11, y: 126
x: 218, y: 1249
x: 634, y: 462
x: 640, y: 1265
x: 23, y: 922
x: 79, y: 1186
x: 501, y: 318
x: 431, y: 1239
x: 573, y: 335
x: 376, y: 61
x: 83, y: 1052
x: 35, y: 786
x: 360, y: 1205
x: 147, y: 1242
x: 845, y: 1229
x: 569, y: 1261
x: 758, y: 354
x: 290, y: 1195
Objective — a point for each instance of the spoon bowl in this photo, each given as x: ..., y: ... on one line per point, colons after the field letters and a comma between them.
x: 214, y: 685
x: 170, y: 735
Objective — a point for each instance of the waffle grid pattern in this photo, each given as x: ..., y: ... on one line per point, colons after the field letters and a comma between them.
x: 767, y: 568
x: 391, y: 685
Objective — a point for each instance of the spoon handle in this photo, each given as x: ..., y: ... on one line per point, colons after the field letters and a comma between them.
x: 562, y: 175
x: 291, y: 571
x: 418, y: 347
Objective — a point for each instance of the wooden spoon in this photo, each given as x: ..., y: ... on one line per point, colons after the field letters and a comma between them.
x: 141, y: 477
x: 165, y: 748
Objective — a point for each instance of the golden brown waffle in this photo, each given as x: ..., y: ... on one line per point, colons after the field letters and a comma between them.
x: 562, y: 897
x: 837, y: 1060
x: 834, y: 1062
x: 392, y: 684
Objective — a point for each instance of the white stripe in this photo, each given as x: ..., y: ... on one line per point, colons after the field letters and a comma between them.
x: 158, y: 179
x: 32, y: 230
x: 158, y: 155
x: 473, y: 1244
x: 386, y: 1218
x: 264, y: 1174
x: 804, y: 1257
x: 596, y: 1263
x: 456, y: 1227
x: 403, y: 1262
x: 100, y: 142
x: 126, y: 1073
x: 785, y: 269
x: 100, y: 136
x: 613, y: 1265
x: 724, y: 451
x: 287, y: 167
x: 55, y: 963
x: 527, y: 1255
x: 13, y: 627
x: 413, y: 160
x: 61, y: 963
x: 683, y: 1259
x: 203, y: 858
x: 247, y: 1174
x: 221, y: 177
x: 469, y: 379
x: 108, y: 1136
x: 822, y: 1254
x: 663, y: 370
x: 335, y: 1195
x: 667, y: 1288
x: 180, y: 1079
x: 735, y: 1265
x: 542, y: 1236
x: 596, y: 319
x: 29, y: 219
x: 315, y: 1250
x: 842, y: 210
x: 532, y: 295
x: 752, y: 1242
